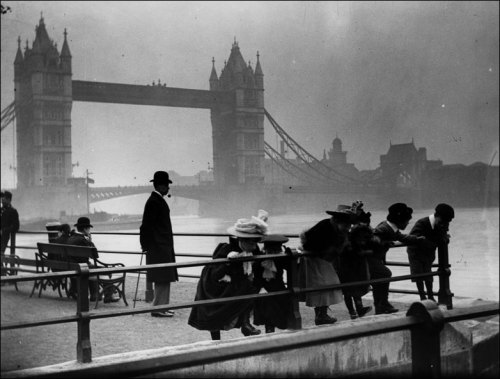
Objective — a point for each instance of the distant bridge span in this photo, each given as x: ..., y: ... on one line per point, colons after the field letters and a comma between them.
x: 194, y: 192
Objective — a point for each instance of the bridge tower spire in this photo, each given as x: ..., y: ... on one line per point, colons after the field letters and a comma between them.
x: 43, y: 96
x: 238, y: 131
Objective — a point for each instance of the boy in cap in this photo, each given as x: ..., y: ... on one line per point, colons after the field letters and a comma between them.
x: 434, y: 231
x: 272, y: 312
x: 386, y: 233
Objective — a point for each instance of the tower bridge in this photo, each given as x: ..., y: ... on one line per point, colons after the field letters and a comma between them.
x: 44, y: 95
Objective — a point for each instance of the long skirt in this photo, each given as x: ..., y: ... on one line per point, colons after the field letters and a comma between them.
x: 315, y: 272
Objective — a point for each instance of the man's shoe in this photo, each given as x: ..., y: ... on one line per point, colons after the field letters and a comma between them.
x: 390, y: 309
x: 161, y: 314
x: 325, y: 319
x: 385, y: 309
x: 111, y: 299
x: 353, y: 316
x: 364, y: 310
x: 270, y: 329
x: 249, y: 330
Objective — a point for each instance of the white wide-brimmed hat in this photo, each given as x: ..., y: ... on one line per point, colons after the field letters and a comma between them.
x: 254, y: 227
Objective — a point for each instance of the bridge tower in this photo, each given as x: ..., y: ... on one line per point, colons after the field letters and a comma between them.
x: 238, y: 131
x: 43, y: 96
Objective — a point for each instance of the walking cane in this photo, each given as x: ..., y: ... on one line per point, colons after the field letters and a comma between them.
x: 138, y: 276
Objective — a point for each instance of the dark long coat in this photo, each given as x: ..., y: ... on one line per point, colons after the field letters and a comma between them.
x: 433, y: 238
x: 354, y: 268
x: 422, y: 255
x: 157, y: 240
x: 222, y: 316
x: 272, y: 311
x: 10, y: 224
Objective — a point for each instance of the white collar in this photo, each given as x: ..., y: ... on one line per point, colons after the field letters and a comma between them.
x: 159, y: 194
x: 432, y: 219
x: 393, y: 226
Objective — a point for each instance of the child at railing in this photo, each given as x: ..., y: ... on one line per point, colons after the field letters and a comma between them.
x: 325, y: 241
x: 230, y: 279
x: 354, y: 268
x: 272, y: 312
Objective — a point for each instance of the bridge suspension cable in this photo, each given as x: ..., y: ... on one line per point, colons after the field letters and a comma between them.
x: 318, y: 166
x: 8, y: 114
x: 290, y: 167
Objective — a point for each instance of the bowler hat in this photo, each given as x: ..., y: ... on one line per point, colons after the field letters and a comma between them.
x: 83, y: 222
x: 161, y: 177
x: 399, y: 212
x: 445, y: 211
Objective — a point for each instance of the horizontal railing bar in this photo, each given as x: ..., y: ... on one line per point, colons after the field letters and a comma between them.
x: 137, y: 233
x: 118, y: 313
x: 459, y: 314
x: 48, y: 321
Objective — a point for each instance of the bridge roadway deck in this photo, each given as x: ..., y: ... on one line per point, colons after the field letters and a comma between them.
x: 46, y: 345
x: 102, y: 92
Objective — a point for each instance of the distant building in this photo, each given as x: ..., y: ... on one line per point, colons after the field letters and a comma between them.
x: 337, y: 160
x: 473, y: 185
x: 404, y: 165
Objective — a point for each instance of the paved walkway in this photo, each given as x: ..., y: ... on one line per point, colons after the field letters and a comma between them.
x: 46, y: 345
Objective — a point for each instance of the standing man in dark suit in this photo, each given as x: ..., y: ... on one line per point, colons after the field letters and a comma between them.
x: 157, y: 241
x: 434, y: 230
x: 385, y: 234
x: 10, y: 219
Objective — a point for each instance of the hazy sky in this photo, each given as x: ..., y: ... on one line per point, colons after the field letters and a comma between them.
x: 370, y: 72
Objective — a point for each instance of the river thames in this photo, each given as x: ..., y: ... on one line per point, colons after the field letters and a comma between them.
x: 473, y: 249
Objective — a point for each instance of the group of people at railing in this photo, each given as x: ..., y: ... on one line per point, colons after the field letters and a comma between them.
x: 344, y: 248
x: 341, y: 249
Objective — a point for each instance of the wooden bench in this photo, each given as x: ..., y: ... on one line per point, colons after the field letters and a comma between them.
x: 57, y: 257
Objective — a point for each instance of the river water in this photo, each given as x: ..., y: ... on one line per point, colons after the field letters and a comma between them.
x: 473, y: 249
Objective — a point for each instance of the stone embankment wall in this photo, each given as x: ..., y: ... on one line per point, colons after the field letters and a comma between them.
x: 468, y: 349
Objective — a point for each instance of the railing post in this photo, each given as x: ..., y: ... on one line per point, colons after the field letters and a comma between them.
x: 149, y: 294
x: 444, y: 294
x: 83, y: 346
x: 292, y: 282
x: 425, y: 342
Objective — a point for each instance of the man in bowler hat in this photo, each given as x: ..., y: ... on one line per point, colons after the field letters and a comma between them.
x: 434, y: 231
x: 157, y: 241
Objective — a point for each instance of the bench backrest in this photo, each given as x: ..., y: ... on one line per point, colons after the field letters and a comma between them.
x: 60, y: 256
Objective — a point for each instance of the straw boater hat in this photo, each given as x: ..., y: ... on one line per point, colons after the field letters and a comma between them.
x: 254, y: 227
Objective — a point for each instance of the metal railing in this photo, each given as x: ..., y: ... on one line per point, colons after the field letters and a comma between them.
x: 83, y: 316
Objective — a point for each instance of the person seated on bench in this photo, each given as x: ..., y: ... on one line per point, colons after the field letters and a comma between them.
x: 83, y: 237
x: 63, y: 234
